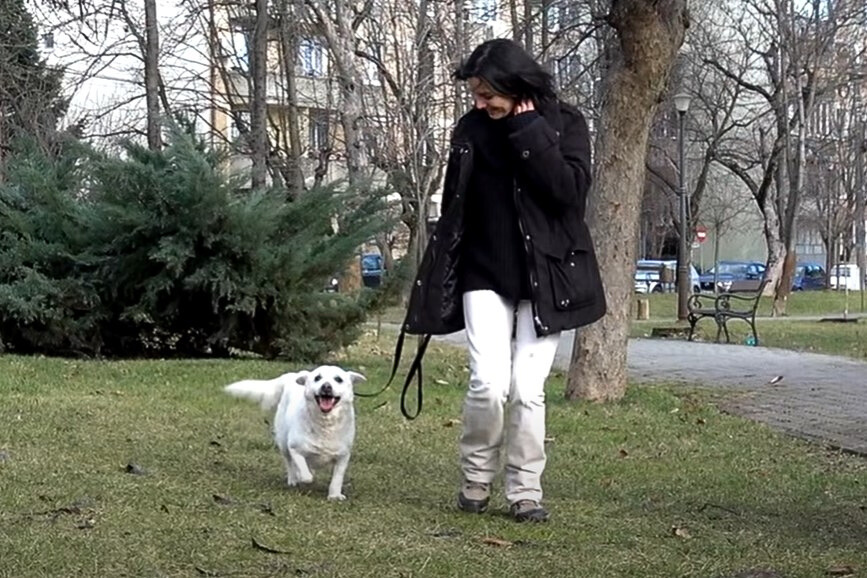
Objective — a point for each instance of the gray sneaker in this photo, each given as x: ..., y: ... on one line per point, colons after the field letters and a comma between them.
x: 474, y: 497
x: 528, y: 511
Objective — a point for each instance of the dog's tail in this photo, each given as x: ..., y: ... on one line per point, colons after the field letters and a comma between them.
x: 266, y: 392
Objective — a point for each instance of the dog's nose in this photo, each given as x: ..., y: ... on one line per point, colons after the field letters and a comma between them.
x: 326, y: 390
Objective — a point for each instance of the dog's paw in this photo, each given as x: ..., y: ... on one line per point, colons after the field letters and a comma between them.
x: 304, y: 480
x: 336, y: 497
x: 295, y: 481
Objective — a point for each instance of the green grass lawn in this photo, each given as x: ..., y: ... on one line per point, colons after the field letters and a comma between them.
x: 802, y: 330
x: 659, y: 484
x: 800, y: 303
x: 848, y: 339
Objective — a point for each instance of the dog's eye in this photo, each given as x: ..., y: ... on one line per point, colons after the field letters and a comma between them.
x: 338, y: 379
x: 317, y: 378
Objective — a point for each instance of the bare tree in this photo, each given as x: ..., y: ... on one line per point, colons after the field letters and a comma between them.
x: 259, y: 102
x: 290, y: 131
x: 338, y: 25
x: 793, y: 55
x: 721, y: 209
x: 648, y: 35
x: 151, y: 74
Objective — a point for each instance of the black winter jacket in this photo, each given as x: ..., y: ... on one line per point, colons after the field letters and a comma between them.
x: 552, y: 160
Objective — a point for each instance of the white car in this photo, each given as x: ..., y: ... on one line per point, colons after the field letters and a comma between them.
x: 844, y: 276
x: 647, y: 276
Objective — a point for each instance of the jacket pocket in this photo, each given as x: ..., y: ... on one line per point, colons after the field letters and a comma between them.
x: 573, y: 278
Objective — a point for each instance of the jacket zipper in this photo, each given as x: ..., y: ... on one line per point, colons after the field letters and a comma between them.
x: 534, y: 282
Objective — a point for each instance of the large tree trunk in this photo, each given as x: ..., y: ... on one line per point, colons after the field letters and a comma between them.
x: 259, y: 102
x: 293, y: 175
x: 152, y: 75
x: 860, y: 193
x: 3, y: 145
x: 336, y: 24
x: 648, y: 36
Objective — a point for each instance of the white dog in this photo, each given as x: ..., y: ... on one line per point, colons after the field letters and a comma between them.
x: 315, y: 421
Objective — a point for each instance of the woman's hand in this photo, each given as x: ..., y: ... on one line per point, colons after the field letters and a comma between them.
x: 523, y: 106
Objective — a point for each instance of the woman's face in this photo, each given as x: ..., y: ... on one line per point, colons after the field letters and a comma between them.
x: 496, y: 105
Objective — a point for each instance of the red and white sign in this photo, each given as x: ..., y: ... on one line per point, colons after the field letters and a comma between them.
x: 701, y: 233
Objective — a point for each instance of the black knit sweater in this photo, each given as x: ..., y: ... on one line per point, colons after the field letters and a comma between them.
x: 493, y: 256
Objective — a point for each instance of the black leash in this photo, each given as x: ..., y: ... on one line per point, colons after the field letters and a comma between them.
x: 416, y: 367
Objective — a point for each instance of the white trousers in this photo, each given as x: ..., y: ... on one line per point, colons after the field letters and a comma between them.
x: 505, y: 373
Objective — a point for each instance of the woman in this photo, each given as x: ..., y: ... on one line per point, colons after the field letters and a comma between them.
x: 512, y: 262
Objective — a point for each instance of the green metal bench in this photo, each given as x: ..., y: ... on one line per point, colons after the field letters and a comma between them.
x: 724, y: 306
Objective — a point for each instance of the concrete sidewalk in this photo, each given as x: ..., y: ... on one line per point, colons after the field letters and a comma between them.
x: 819, y: 397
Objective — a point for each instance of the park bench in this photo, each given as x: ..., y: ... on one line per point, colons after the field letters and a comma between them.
x: 725, y: 306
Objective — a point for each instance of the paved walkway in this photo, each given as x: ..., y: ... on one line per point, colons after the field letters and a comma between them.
x: 819, y: 397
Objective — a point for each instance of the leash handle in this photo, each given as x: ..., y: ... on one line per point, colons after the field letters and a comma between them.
x: 398, y: 350
x: 414, y: 368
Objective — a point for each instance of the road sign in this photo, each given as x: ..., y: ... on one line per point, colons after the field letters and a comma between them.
x: 701, y: 233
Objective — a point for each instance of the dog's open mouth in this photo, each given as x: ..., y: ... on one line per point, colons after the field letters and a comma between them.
x: 326, y: 402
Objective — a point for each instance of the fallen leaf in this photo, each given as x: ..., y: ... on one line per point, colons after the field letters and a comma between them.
x: 758, y: 574
x: 135, y: 469
x: 680, y: 532
x: 259, y: 546
x: 499, y: 542
x: 452, y: 422
x: 840, y: 571
x: 446, y: 533
x: 222, y: 500
x: 72, y: 510
x: 623, y: 453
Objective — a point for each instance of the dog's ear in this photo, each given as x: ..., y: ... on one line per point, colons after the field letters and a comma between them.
x: 355, y: 377
x: 301, y: 378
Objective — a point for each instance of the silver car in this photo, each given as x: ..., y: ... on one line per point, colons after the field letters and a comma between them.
x: 649, y: 277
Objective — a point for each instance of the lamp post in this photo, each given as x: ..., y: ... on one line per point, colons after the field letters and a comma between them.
x: 681, y: 104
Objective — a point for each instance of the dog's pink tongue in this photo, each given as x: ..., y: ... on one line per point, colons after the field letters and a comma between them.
x: 326, y: 404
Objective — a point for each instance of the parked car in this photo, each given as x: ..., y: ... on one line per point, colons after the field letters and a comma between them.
x: 734, y: 276
x: 808, y: 276
x: 845, y: 276
x: 648, y: 276
x: 372, y: 269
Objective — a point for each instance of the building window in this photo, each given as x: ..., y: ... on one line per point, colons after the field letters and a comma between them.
x: 318, y: 129
x: 483, y: 11
x: 237, y: 45
x: 569, y: 14
x: 311, y: 52
x: 567, y: 70
x: 371, y: 70
x: 239, y: 123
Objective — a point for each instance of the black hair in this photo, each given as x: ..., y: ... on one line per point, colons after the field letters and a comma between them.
x: 509, y: 70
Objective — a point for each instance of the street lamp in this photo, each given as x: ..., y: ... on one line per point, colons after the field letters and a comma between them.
x: 681, y: 104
